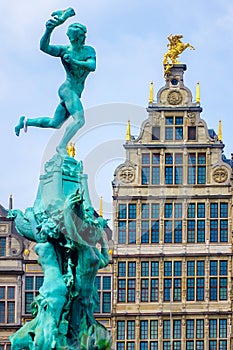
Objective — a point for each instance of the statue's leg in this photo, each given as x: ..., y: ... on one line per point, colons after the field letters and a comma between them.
x: 55, y: 122
x: 75, y: 108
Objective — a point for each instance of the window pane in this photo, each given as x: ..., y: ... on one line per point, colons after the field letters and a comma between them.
x: 144, y: 329
x: 222, y: 328
x: 213, y: 328
x: 223, y: 268
x: 223, y: 210
x: 106, y: 283
x: 39, y: 282
x: 28, y: 300
x: 169, y: 133
x: 145, y: 268
x: 121, y: 269
x: 200, y: 210
x: 177, y: 268
x: 155, y: 175
x: 179, y: 133
x: 223, y: 230
x: 2, y: 246
x: 29, y: 283
x: 132, y: 211
x: 132, y: 269
x: 145, y: 231
x: 154, y: 268
x: 166, y: 329
x: 168, y: 120
x: 179, y: 121
x: 132, y: 232
x: 155, y: 232
x: 214, y: 268
x: 154, y: 329
x: 146, y: 158
x: 155, y: 211
x: 189, y: 329
x: 11, y: 293
x: 191, y: 210
x: 130, y: 330
x: 214, y: 231
x: 122, y: 211
x: 106, y: 302
x: 178, y: 210
x: 11, y: 312
x: 200, y: 231
x: 120, y: 330
x: 122, y: 232
x: 167, y: 268
x: 213, y: 210
x: 201, y: 268
x: 200, y: 329
x: 145, y: 175
x: 191, y: 268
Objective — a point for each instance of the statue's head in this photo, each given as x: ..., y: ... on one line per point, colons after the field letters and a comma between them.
x: 76, y: 32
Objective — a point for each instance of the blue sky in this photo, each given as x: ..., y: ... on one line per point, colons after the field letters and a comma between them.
x: 130, y: 38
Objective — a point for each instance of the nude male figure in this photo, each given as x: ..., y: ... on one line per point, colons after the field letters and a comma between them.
x: 78, y: 61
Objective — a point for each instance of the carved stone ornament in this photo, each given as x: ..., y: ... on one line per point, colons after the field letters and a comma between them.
x: 220, y: 174
x: 174, y: 97
x: 126, y: 174
x: 192, y: 118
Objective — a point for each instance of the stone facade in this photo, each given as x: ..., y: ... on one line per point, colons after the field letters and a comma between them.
x: 172, y: 259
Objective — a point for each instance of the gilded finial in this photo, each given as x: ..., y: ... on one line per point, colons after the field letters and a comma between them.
x: 101, y: 207
x: 151, y: 96
x: 128, y: 132
x: 220, y: 130
x: 198, y: 94
x: 175, y: 48
x: 71, y: 149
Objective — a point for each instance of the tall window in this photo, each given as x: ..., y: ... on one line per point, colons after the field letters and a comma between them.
x: 127, y: 214
x: 150, y: 173
x: 218, y: 334
x: 176, y: 333
x: 150, y: 215
x: 195, y: 334
x: 173, y: 215
x: 196, y: 168
x: 173, y: 128
x: 172, y: 280
x: 103, y: 284
x: 218, y: 279
x: 195, y: 281
x: 2, y: 246
x: 173, y: 168
x: 32, y: 285
x: 7, y: 304
x: 196, y: 223
x: 126, y: 281
x: 125, y: 335
x: 149, y: 334
x: 149, y: 281
x: 218, y: 222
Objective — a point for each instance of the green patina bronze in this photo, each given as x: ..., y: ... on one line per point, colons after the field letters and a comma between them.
x: 78, y: 60
x: 70, y: 240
